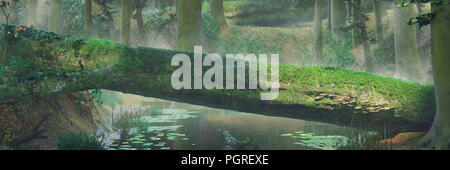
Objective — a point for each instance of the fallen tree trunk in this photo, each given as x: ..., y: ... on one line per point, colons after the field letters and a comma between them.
x: 34, y: 133
x: 313, y: 93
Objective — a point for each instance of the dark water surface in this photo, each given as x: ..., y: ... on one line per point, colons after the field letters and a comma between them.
x: 189, y: 127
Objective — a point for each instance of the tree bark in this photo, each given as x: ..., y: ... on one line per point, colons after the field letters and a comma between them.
x: 408, y: 63
x: 419, y: 7
x: 318, y: 53
x: 189, y: 24
x: 379, y: 21
x: 140, y: 23
x: 438, y: 136
x: 356, y: 35
x: 88, y: 18
x: 218, y: 12
x: 360, y: 25
x: 312, y: 93
x: 55, y: 16
x: 349, y: 10
x: 329, y: 16
x: 338, y: 17
x: 126, y: 21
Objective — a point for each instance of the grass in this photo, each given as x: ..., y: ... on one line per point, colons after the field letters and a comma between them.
x: 125, y: 118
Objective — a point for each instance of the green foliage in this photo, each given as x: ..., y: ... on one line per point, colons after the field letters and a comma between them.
x: 80, y: 141
x: 386, y: 53
x: 18, y: 71
x: 105, y: 97
x: 159, y: 18
x: 246, y: 42
x: 271, y: 12
x: 210, y: 26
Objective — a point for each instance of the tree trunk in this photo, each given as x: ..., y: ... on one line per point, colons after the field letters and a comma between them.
x: 217, y: 11
x: 349, y: 10
x: 407, y: 58
x: 379, y: 22
x: 189, y: 24
x: 55, y: 16
x: 162, y: 4
x: 438, y: 136
x: 14, y: 17
x: 147, y: 72
x: 126, y: 21
x: 88, y: 18
x: 329, y: 16
x: 338, y: 17
x: 140, y: 23
x: 32, y: 6
x: 318, y: 54
x: 355, y: 20
x: 419, y: 7
x: 360, y: 25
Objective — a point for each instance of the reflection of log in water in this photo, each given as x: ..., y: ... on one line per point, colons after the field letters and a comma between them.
x: 232, y: 142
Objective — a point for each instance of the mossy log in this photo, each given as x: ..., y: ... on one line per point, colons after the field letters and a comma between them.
x: 337, y: 96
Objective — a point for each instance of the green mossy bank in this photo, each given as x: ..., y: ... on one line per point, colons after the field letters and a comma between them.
x: 68, y: 64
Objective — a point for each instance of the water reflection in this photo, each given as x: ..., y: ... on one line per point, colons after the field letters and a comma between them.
x: 181, y: 126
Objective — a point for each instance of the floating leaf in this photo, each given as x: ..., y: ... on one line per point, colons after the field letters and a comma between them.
x: 287, y: 134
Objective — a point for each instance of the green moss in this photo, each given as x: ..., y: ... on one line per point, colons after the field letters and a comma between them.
x: 318, y: 93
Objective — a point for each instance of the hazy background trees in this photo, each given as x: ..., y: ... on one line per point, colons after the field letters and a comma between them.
x: 368, y: 35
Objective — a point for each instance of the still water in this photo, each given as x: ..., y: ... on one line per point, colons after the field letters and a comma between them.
x: 179, y: 126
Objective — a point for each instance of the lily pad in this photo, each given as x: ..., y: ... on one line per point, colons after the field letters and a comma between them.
x: 287, y: 134
x: 165, y: 148
x: 154, y: 138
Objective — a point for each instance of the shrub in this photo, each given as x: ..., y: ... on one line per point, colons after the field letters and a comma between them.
x: 159, y: 18
x: 18, y: 70
x: 80, y: 141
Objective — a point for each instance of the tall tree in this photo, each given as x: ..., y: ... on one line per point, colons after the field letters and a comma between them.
x: 349, y: 10
x: 355, y: 31
x: 408, y: 63
x: 105, y: 18
x: 139, y: 5
x: 329, y: 16
x: 163, y: 3
x: 126, y: 21
x: 189, y: 24
x: 32, y: 6
x: 318, y: 54
x: 217, y: 11
x: 55, y: 15
x: 438, y: 137
x: 88, y: 18
x: 338, y: 17
x: 419, y: 7
x: 360, y: 25
x: 378, y: 20
x: 14, y: 18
